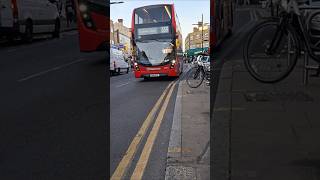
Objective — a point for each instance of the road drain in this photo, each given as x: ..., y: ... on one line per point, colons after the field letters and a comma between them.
x: 180, y: 172
x: 272, y: 96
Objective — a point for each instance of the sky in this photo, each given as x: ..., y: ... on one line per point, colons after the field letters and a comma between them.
x: 188, y: 11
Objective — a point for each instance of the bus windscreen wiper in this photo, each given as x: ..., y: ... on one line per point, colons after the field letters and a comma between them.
x: 150, y: 40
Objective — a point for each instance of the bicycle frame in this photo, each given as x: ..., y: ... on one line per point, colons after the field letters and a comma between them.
x: 276, y: 39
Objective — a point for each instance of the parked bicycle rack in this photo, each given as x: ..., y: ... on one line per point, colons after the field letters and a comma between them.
x: 308, y: 67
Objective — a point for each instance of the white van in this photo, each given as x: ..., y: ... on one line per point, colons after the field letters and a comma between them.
x: 26, y: 18
x: 117, y: 62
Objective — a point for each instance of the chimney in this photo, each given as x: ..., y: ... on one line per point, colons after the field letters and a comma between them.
x: 195, y: 29
x: 199, y: 24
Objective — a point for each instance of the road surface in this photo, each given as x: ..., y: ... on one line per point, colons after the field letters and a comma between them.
x: 53, y: 110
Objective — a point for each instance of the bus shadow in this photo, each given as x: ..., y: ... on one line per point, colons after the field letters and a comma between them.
x: 98, y: 61
x: 19, y: 42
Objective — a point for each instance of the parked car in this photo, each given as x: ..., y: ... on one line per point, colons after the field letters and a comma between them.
x: 206, y: 62
x: 26, y: 18
x: 205, y: 59
x: 117, y: 62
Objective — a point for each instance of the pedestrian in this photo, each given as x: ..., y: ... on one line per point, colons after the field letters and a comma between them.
x: 59, y: 7
x: 69, y: 9
x: 69, y: 15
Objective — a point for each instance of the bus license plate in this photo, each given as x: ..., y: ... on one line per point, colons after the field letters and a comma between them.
x: 154, y: 75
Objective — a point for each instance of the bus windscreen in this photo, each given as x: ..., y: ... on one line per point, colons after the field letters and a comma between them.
x: 152, y: 14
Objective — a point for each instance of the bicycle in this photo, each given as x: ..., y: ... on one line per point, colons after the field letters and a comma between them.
x: 273, y: 46
x: 198, y: 73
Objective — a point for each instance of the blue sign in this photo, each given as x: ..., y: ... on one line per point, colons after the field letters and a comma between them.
x: 121, y: 46
x: 114, y: 46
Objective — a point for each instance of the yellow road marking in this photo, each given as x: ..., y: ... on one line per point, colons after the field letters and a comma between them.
x: 127, y: 158
x: 144, y: 157
x: 179, y: 150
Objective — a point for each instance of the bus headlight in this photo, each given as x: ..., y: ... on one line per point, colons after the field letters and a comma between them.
x: 83, y: 7
x: 85, y: 16
x: 173, y: 62
x: 136, y: 66
x: 89, y: 24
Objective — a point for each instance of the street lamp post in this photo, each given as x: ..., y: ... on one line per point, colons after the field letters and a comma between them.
x: 189, y: 45
x: 202, y: 32
x: 202, y: 26
x: 119, y: 2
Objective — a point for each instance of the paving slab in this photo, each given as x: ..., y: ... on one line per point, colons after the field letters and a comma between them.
x: 189, y: 147
x: 266, y: 131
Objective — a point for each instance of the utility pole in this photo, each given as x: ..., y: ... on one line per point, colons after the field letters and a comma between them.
x: 119, y: 2
x: 202, y: 27
x: 202, y: 33
x: 189, y: 45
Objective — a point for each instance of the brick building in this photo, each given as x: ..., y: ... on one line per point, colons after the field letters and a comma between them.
x: 194, y: 40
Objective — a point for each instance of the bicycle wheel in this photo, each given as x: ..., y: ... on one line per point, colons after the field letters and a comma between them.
x: 271, y: 64
x: 195, y: 77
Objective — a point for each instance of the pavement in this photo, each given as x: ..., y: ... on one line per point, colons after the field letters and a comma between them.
x: 188, y: 154
x: 65, y: 27
x: 268, y: 131
x: 264, y: 131
x: 191, y: 137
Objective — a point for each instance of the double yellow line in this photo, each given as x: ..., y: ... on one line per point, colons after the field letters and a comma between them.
x: 125, y: 162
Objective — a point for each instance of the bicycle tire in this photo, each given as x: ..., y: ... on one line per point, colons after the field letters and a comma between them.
x: 314, y: 32
x: 289, y: 30
x: 191, y: 76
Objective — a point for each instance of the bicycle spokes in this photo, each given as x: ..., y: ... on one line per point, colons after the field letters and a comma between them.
x: 270, y: 52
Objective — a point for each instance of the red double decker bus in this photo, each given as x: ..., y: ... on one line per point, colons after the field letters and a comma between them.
x: 92, y: 25
x: 221, y: 20
x: 157, y: 41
